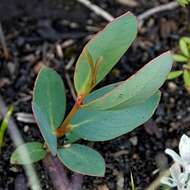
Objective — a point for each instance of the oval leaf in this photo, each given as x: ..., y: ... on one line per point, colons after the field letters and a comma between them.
x: 174, y: 74
x: 28, y: 153
x: 184, y: 48
x: 82, y: 159
x: 180, y: 58
x: 105, y: 125
x: 109, y: 44
x: 138, y: 87
x: 49, y: 104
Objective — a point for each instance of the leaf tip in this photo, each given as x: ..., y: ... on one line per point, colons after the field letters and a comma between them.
x: 13, y: 160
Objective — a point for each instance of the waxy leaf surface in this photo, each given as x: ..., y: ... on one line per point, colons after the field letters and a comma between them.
x: 49, y: 104
x: 137, y: 88
x: 105, y: 125
x: 28, y: 153
x: 82, y: 159
x: 109, y: 44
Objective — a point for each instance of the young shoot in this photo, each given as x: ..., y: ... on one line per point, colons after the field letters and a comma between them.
x: 183, y: 2
x: 183, y: 57
x: 97, y: 115
x: 3, y: 126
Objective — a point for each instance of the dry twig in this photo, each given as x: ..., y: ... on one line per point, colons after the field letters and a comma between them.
x: 67, y: 68
x: 152, y: 11
x: 70, y: 86
x: 98, y: 10
x: 25, y: 117
x: 107, y: 16
x: 3, y: 43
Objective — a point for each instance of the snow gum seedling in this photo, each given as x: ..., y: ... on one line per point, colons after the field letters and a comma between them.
x: 97, y: 115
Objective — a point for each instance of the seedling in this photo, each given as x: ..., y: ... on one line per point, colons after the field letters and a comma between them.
x: 3, y: 126
x: 183, y: 57
x: 97, y: 115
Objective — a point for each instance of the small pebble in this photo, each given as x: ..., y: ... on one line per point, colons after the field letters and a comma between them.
x: 134, y: 140
x: 103, y: 187
x: 172, y: 86
x: 26, y: 128
x: 14, y: 169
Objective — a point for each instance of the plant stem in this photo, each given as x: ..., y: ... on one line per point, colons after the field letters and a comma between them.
x: 58, y: 175
x: 77, y: 180
x: 65, y: 127
x: 56, y: 172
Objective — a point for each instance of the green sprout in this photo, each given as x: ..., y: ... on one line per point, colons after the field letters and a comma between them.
x: 97, y: 115
x: 183, y: 57
x: 3, y: 126
x: 183, y: 2
x: 133, y: 187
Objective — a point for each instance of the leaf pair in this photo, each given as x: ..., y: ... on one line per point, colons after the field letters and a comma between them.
x: 137, y: 88
x: 121, y: 107
x: 78, y: 158
x: 98, y: 125
x: 118, y: 108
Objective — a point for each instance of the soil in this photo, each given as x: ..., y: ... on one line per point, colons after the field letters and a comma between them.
x: 34, y: 35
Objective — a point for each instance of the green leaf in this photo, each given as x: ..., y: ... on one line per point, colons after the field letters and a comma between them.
x: 186, y: 77
x: 184, y: 48
x: 133, y: 187
x: 82, y: 159
x: 186, y: 39
x: 28, y: 153
x: 174, y: 74
x: 105, y: 125
x: 101, y: 92
x: 183, y: 2
x: 180, y: 58
x: 109, y: 44
x: 4, y: 125
x: 138, y: 87
x: 49, y: 104
x: 71, y: 137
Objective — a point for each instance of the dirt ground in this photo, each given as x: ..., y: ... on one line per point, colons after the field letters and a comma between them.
x: 35, y: 30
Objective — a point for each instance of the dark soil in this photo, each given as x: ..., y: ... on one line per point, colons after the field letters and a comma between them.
x: 33, y: 36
